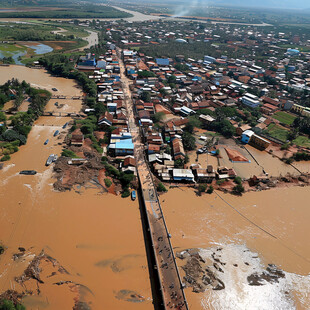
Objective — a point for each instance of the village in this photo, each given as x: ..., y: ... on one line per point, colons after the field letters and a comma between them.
x: 214, y: 121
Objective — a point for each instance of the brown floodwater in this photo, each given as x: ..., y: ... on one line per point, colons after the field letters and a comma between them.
x: 96, y: 237
x: 274, y: 224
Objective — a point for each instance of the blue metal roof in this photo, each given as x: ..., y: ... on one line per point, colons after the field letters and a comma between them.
x: 162, y: 61
x: 124, y: 144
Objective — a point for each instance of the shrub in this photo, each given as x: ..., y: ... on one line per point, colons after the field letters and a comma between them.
x: 220, y: 182
x: 210, y: 189
x: 161, y: 187
x: 238, y: 180
x: 6, y: 157
x: 202, y: 188
x: 125, y: 193
x: 107, y: 182
x: 238, y: 189
x: 68, y: 153
x: 104, y: 159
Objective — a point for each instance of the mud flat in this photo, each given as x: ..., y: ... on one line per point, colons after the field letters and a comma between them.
x: 272, y: 225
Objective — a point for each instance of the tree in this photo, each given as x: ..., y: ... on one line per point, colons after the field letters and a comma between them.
x: 202, y: 188
x: 2, y: 117
x: 158, y: 117
x: 145, y: 96
x: 238, y: 189
x: 210, y: 189
x: 189, y: 141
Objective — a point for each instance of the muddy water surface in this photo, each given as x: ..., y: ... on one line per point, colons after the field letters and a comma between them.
x: 274, y: 224
x: 96, y: 237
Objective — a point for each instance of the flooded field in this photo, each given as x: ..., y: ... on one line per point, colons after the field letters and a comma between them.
x: 94, y: 238
x: 273, y: 224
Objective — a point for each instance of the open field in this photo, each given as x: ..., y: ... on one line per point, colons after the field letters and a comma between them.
x: 284, y: 117
x: 277, y: 132
x: 302, y: 141
x: 84, y: 11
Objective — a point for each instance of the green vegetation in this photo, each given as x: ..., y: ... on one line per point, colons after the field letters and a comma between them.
x: 5, y: 158
x: 284, y: 117
x: 302, y: 141
x: 161, y: 187
x: 125, y: 193
x: 189, y: 141
x: 238, y: 180
x: 21, y: 122
x: 74, y: 11
x: 300, y: 156
x: 9, y: 305
x: 210, y: 189
x: 202, y: 188
x: 238, y: 189
x: 277, y: 132
x: 1, y: 249
x: 107, y: 182
x: 68, y: 153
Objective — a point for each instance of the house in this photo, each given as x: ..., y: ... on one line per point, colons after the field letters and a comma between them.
x: 249, y: 137
x: 178, y: 149
x: 162, y: 61
x: 250, y: 100
x: 77, y: 138
x: 204, y: 175
x: 183, y: 175
x: 241, y: 129
x: 106, y: 119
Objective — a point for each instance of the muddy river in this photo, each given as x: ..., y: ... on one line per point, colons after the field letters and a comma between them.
x: 96, y: 237
x: 273, y: 226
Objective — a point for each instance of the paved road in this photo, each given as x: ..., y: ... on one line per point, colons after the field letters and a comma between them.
x: 172, y: 290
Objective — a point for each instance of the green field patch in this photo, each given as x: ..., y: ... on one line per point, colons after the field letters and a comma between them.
x: 277, y: 132
x: 284, y: 117
x: 302, y: 141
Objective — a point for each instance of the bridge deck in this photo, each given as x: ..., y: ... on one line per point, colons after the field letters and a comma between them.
x: 170, y: 282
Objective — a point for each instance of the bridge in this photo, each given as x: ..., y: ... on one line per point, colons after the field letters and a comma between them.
x: 171, y: 288
x: 63, y: 114
x: 60, y: 97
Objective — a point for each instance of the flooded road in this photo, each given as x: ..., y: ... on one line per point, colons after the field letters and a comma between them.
x: 96, y: 237
x: 274, y: 224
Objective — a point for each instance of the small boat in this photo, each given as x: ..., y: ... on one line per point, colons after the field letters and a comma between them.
x: 54, y: 89
x: 28, y: 172
x: 56, y: 133
x: 46, y: 141
x: 133, y: 195
x: 65, y: 125
x: 52, y: 158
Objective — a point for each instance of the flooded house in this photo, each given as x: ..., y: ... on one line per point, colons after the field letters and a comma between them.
x: 77, y: 137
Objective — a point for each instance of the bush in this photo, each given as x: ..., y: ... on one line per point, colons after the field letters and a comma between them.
x: 68, y: 153
x: 125, y: 193
x: 238, y: 189
x: 9, y: 305
x: 107, y: 182
x: 161, y: 187
x: 6, y: 157
x: 238, y: 180
x: 210, y: 189
x: 202, y: 188
x: 104, y: 159
x: 220, y: 182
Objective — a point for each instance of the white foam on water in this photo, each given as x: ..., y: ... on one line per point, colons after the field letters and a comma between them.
x: 7, y: 167
x: 239, y: 295
x: 5, y: 181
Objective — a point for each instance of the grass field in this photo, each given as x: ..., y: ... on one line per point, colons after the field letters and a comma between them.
x: 277, y: 132
x: 302, y: 141
x: 284, y: 117
x: 11, y: 48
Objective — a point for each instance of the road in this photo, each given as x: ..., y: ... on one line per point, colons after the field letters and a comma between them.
x: 172, y: 291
